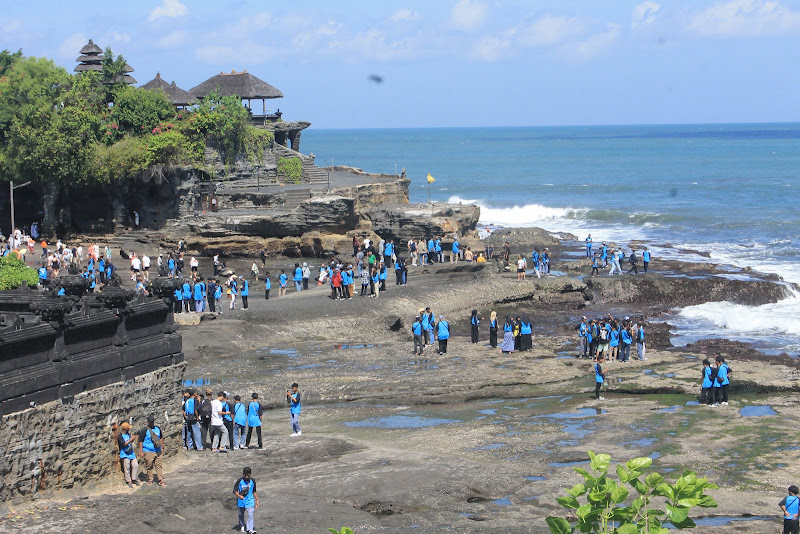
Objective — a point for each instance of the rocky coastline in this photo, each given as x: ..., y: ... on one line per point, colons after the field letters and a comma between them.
x: 472, y: 440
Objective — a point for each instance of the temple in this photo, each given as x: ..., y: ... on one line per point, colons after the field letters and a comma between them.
x: 91, y: 59
x: 177, y: 96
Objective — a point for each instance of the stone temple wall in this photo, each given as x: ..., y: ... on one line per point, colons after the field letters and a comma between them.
x: 70, y: 442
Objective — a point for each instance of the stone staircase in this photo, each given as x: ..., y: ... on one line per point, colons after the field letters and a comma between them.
x: 295, y: 196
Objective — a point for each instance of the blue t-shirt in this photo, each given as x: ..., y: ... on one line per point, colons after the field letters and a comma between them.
x: 443, y: 330
x: 187, y: 291
x: 722, y: 372
x: 416, y: 327
x: 253, y: 413
x: 295, y: 408
x: 388, y: 250
x: 189, y: 406
x: 626, y: 338
x: 268, y: 284
x: 147, y: 440
x: 240, y: 414
x: 646, y: 256
x: 245, y: 288
x: 126, y: 452
x: 226, y: 408
x: 284, y: 279
x: 199, y: 291
x: 249, y: 500
x: 792, y: 505
x: 525, y: 328
x: 598, y: 373
x: 707, y: 383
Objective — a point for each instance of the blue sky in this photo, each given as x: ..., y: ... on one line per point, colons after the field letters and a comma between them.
x: 453, y: 62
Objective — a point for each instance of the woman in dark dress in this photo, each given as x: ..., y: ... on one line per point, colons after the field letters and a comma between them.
x: 493, y: 330
x: 525, y: 333
x: 474, y: 322
x: 517, y: 337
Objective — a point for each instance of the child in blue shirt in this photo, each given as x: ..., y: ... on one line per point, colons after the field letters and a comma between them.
x: 246, y: 500
x: 293, y: 398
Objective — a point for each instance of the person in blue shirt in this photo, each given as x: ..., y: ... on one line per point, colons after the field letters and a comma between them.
x: 217, y: 297
x: 707, y: 392
x: 233, y: 287
x: 382, y: 275
x: 178, y: 300
x: 239, y: 422
x: 455, y: 252
x: 151, y: 446
x: 298, y: 277
x: 267, y: 285
x: 525, y: 333
x: 790, y: 506
x: 432, y: 250
x: 604, y: 255
x: 199, y: 295
x: 191, y: 413
x: 442, y: 334
x: 171, y: 266
x: 437, y: 245
x: 282, y: 281
x: 640, y: 345
x: 43, y: 275
x: 388, y: 252
x: 508, y: 336
x: 416, y: 330
x: 130, y: 466
x: 625, y: 351
x: 613, y: 342
x: 227, y: 417
x: 645, y: 258
x: 583, y: 337
x: 187, y: 295
x: 474, y: 322
x: 244, y: 292
x: 599, y: 377
x: 722, y: 382
x: 254, y: 421
x: 589, y: 246
x: 293, y: 398
x: 595, y: 265
x: 246, y: 500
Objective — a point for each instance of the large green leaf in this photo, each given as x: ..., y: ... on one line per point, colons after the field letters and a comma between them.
x: 600, y: 462
x: 558, y: 525
x: 577, y: 490
x: 653, y: 480
x: 619, y: 494
x: 677, y: 514
x: 627, y: 528
x: 568, y: 501
x: 639, y: 463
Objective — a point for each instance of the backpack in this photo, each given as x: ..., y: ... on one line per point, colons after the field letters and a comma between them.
x: 205, y: 409
x: 603, y: 334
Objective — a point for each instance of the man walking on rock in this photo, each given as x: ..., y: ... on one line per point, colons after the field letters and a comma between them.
x: 151, y: 445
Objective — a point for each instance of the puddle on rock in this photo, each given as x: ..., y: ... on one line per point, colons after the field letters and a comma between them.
x: 505, y: 501
x: 408, y: 420
x: 535, y: 478
x: 568, y: 464
x: 757, y: 411
x: 358, y: 346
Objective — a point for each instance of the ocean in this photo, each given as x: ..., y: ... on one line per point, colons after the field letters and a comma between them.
x: 729, y: 190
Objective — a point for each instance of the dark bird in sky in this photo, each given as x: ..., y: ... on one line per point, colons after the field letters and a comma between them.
x: 375, y: 78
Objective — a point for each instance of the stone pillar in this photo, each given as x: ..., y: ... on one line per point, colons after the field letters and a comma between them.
x: 294, y: 137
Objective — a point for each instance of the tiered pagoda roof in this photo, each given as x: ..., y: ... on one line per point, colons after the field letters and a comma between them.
x: 91, y: 59
x: 176, y: 95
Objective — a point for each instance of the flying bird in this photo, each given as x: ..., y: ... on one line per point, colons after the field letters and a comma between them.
x: 375, y: 78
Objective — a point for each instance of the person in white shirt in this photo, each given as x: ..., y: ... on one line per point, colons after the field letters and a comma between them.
x: 136, y: 264
x: 194, y: 264
x: 146, y: 266
x: 522, y: 264
x: 219, y: 433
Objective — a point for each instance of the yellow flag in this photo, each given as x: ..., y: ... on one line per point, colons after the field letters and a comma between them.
x: 430, y: 179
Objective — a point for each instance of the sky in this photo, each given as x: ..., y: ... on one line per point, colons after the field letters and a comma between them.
x: 452, y: 63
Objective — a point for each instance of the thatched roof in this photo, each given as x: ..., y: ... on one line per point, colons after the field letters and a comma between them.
x: 176, y: 95
x: 91, y: 49
x: 90, y: 59
x: 83, y: 67
x: 241, y: 84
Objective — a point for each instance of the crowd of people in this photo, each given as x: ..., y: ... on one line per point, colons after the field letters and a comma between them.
x: 615, y: 256
x: 221, y: 423
x: 611, y: 338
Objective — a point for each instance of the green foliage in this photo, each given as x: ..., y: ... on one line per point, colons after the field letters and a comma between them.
x: 606, y: 511
x: 139, y: 111
x: 344, y: 530
x: 113, y: 73
x: 7, y: 59
x: 13, y: 272
x: 291, y: 169
x: 254, y: 142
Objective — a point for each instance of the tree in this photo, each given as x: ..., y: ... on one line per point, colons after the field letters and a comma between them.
x: 48, y: 129
x: 7, y: 59
x: 138, y: 111
x: 113, y: 73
